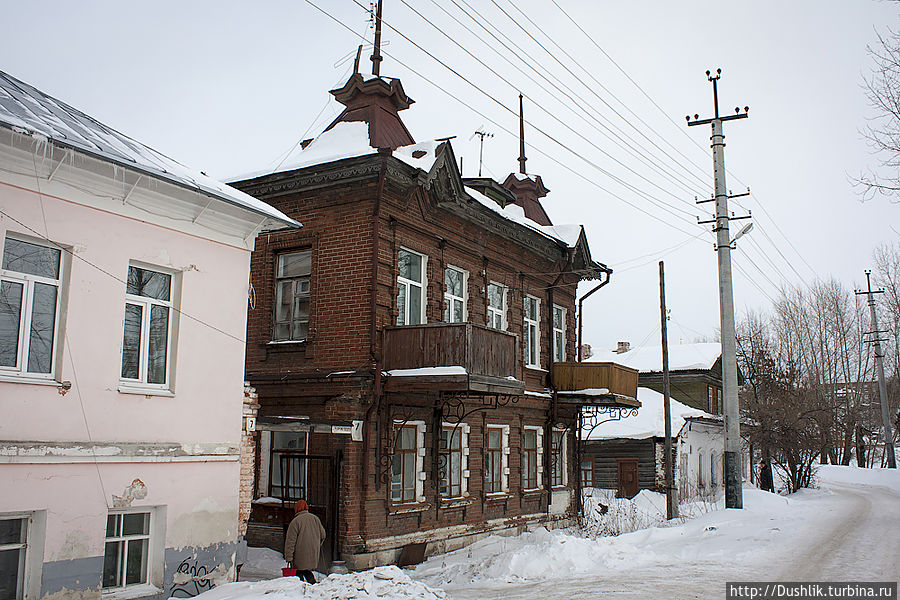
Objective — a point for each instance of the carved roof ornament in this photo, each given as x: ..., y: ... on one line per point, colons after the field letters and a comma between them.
x: 376, y: 101
x: 527, y: 189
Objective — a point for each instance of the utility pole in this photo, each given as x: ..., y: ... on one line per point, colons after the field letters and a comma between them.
x: 733, y: 491
x: 879, y: 364
x: 671, y: 500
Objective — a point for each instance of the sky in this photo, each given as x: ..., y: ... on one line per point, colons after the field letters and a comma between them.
x: 231, y: 88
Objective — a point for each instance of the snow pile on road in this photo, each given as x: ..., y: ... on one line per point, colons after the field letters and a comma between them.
x: 383, y: 583
x: 564, y: 554
x: 852, y: 475
x: 262, y: 563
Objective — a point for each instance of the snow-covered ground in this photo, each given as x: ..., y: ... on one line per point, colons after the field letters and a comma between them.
x: 848, y: 529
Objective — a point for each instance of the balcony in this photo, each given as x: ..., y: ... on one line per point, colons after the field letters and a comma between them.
x: 457, y: 357
x: 595, y: 383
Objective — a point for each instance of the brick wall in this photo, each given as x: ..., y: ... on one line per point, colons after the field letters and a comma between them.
x: 248, y: 458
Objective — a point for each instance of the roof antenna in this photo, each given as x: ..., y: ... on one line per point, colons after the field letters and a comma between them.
x: 521, y: 136
x: 376, y: 54
x: 481, y: 134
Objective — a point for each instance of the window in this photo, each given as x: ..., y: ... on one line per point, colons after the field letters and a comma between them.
x: 532, y: 331
x: 407, y: 462
x: 558, y: 458
x: 532, y: 442
x: 288, y: 480
x: 559, y: 334
x: 700, y: 482
x: 455, y: 295
x: 711, y: 407
x: 148, y: 325
x: 718, y: 401
x: 127, y: 550
x: 29, y: 307
x: 411, y: 288
x: 587, y: 473
x: 496, y: 312
x: 496, y: 459
x: 713, y: 480
x: 453, y: 459
x: 12, y: 557
x: 292, y: 296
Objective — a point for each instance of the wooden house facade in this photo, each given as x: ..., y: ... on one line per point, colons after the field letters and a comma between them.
x: 401, y: 345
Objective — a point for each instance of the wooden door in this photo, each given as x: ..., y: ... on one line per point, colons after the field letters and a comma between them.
x: 628, y: 477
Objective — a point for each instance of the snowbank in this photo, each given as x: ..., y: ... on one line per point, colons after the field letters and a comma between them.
x: 262, y: 563
x: 543, y: 555
x: 889, y: 478
x: 384, y: 583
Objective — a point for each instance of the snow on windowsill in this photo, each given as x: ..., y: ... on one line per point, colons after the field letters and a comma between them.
x: 13, y: 378
x: 144, y: 391
x: 269, y: 501
x: 427, y: 371
x: 403, y: 509
x: 138, y: 591
x: 585, y: 392
x: 536, y: 368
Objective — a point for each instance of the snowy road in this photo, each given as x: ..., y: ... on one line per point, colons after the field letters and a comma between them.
x: 841, y: 532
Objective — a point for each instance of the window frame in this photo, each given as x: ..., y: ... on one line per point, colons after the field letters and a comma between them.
x: 147, y: 303
x: 492, y: 311
x: 274, y: 463
x: 532, y: 332
x: 538, y: 460
x: 559, y: 453
x: 121, y: 537
x: 461, y: 430
x: 28, y: 281
x: 450, y: 298
x: 278, y: 279
x: 28, y: 585
x: 586, y: 481
x: 502, y: 482
x: 559, y: 345
x: 417, y: 454
x: 407, y: 284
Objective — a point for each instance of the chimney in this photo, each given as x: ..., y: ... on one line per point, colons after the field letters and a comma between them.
x: 623, y: 347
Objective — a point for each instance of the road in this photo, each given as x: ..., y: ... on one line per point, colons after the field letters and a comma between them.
x: 853, y: 534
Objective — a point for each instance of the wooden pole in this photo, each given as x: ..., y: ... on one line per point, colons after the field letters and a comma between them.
x: 671, y: 500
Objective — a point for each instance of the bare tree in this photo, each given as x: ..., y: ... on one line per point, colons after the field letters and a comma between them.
x: 883, y: 133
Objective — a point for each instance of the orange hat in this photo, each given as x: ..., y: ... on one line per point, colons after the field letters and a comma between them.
x: 300, y: 505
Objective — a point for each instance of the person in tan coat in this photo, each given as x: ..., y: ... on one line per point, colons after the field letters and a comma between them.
x: 304, y: 539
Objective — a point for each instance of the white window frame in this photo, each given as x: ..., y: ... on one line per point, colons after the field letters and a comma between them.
x: 146, y: 303
x: 559, y: 345
x: 155, y: 555
x: 504, y: 457
x: 31, y: 561
x: 407, y: 284
x: 563, y: 457
x: 449, y: 298
x: 539, y: 456
x: 297, y: 290
x: 532, y: 333
x: 494, y: 313
x: 420, y: 462
x: 463, y: 429
x: 28, y: 281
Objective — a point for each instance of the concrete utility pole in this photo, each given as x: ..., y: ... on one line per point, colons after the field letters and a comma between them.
x: 879, y: 364
x: 671, y: 500
x: 733, y: 491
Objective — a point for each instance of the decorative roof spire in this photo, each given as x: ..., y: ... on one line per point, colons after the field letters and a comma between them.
x: 376, y: 51
x: 521, y: 137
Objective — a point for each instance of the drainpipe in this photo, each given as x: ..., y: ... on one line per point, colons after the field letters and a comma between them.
x: 608, y: 272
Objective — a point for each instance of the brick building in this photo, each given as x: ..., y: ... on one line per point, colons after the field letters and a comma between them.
x: 405, y: 343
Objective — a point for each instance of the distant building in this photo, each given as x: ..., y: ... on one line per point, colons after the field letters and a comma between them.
x: 695, y: 371
x: 123, y: 296
x: 628, y: 454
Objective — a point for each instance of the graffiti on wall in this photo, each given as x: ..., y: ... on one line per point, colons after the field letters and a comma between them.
x: 191, y: 579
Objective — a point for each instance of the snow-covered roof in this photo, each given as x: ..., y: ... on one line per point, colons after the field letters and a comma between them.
x: 567, y: 234
x: 27, y: 110
x: 649, y: 421
x: 682, y: 357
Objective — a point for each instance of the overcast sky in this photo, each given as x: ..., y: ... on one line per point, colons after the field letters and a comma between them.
x: 231, y: 88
